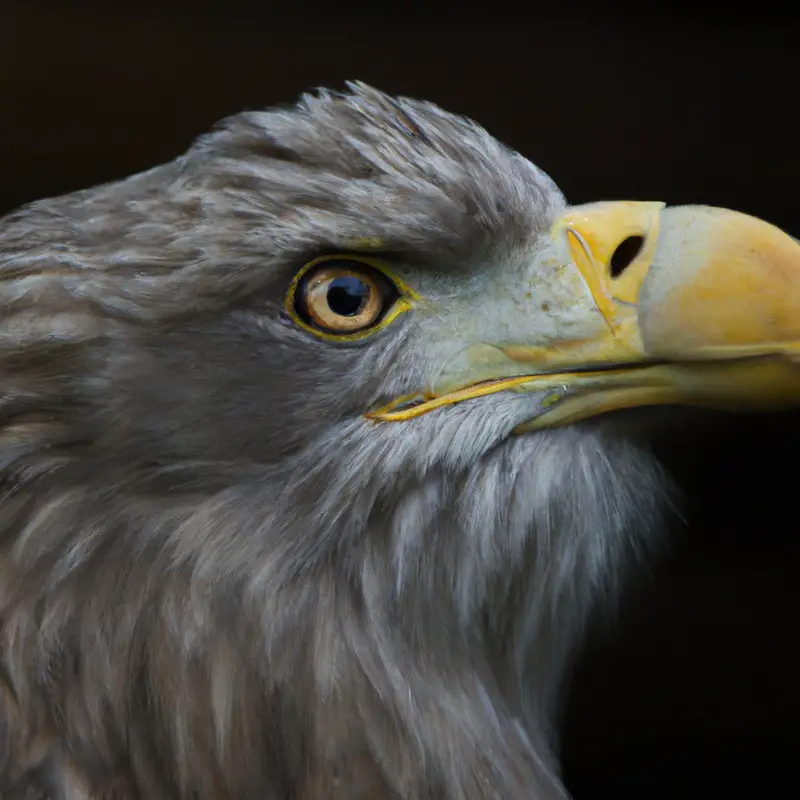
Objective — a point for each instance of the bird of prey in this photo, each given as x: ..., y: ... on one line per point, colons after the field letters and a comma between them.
x: 310, y: 480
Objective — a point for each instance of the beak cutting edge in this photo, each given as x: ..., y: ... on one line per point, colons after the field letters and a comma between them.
x: 700, y: 305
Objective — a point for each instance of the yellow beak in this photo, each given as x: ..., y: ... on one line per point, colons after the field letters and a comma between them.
x: 701, y: 306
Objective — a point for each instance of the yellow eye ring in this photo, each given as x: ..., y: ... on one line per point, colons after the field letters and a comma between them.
x: 346, y: 297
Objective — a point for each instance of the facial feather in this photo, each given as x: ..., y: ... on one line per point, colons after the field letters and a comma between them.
x: 217, y: 578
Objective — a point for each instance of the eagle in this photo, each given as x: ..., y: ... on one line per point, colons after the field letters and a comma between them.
x: 319, y: 448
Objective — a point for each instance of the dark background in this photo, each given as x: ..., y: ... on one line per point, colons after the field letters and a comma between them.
x: 696, y: 692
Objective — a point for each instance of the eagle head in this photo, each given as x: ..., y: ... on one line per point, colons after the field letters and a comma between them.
x: 309, y: 478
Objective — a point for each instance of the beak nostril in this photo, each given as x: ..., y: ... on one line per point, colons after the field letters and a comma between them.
x: 624, y: 255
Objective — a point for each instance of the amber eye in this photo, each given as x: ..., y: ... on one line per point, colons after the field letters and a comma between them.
x: 342, y: 297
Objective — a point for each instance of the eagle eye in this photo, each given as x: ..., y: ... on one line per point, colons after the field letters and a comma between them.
x: 343, y: 296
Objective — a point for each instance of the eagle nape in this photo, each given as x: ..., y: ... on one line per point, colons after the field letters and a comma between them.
x: 309, y: 486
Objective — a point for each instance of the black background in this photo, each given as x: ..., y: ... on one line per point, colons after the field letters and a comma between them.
x: 697, y: 690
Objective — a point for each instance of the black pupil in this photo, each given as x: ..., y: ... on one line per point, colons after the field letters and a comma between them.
x: 347, y: 295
